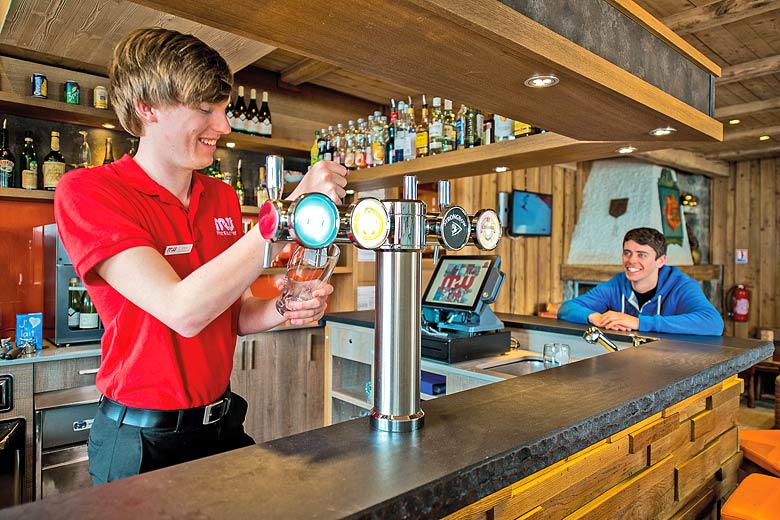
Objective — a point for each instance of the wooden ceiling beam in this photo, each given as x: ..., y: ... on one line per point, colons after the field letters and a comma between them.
x: 305, y: 71
x: 751, y: 132
x: 749, y: 70
x: 746, y: 109
x: 740, y: 154
x: 715, y: 14
x: 688, y: 161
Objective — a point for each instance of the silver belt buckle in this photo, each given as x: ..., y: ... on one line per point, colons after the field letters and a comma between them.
x: 207, y: 412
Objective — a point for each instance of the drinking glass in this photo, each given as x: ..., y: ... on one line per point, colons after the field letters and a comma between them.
x: 307, y: 270
x: 84, y: 153
x: 556, y: 354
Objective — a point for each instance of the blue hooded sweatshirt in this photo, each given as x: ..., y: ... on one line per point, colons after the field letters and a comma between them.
x: 678, y: 307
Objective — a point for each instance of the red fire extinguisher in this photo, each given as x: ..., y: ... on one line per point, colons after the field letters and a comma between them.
x: 738, y: 300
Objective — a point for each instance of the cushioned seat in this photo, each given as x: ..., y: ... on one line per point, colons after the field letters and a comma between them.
x: 756, y: 498
x: 763, y: 448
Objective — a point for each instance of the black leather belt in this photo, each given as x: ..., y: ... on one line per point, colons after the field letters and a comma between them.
x: 178, y: 419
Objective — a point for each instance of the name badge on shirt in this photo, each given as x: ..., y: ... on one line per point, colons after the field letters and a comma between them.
x: 181, y: 249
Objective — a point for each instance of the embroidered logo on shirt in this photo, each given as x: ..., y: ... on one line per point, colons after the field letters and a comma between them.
x: 224, y: 226
x: 181, y: 249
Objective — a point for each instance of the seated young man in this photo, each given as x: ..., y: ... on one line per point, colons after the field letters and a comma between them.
x: 648, y: 296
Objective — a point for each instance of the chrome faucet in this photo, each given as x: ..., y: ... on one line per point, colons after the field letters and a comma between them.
x: 594, y: 335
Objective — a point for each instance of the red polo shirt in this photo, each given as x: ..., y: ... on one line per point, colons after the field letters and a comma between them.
x: 105, y: 210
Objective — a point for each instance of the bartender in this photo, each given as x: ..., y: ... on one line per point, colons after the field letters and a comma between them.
x: 648, y: 296
x: 161, y: 251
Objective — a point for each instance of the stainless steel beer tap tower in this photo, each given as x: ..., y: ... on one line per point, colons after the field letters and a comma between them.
x: 399, y: 230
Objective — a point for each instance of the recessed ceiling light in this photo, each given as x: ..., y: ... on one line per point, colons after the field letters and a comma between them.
x: 500, y: 169
x: 108, y: 125
x: 734, y: 121
x: 541, y: 81
x: 626, y: 149
x: 764, y: 138
x: 230, y: 144
x: 665, y: 130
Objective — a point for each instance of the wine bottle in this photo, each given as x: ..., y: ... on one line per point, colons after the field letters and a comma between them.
x: 53, y: 164
x: 422, y: 131
x: 436, y: 128
x: 218, y: 169
x: 88, y: 316
x: 252, y: 114
x: 29, y: 164
x: 239, y: 112
x: 239, y: 184
x: 450, y: 133
x: 314, y: 153
x: 228, y: 112
x: 7, y: 161
x: 109, y: 157
x: 264, y: 128
x: 74, y: 304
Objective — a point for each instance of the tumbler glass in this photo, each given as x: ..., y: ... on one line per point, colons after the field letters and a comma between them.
x: 307, y: 270
x: 556, y: 354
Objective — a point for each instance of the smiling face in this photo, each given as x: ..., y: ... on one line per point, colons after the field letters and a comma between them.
x: 641, y: 266
x: 185, y: 136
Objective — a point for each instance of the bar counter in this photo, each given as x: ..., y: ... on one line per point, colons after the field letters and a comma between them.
x: 473, y: 444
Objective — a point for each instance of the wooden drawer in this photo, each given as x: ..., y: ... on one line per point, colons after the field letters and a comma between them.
x: 351, y: 342
x: 67, y: 373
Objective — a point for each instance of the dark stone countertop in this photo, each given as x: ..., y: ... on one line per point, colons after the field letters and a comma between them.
x: 473, y: 443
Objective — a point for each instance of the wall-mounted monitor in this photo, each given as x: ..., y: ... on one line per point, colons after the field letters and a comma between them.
x: 530, y: 214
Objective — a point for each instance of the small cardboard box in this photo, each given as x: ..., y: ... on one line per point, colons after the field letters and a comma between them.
x: 29, y: 326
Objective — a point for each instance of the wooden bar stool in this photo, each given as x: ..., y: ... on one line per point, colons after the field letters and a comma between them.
x: 756, y: 498
x: 763, y: 448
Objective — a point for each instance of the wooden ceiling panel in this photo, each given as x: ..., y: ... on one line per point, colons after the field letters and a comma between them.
x: 87, y: 30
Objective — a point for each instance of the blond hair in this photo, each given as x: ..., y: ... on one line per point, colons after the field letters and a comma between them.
x: 160, y: 67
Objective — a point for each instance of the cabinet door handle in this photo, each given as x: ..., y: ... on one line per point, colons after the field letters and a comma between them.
x: 243, y: 355
x: 309, y: 345
x: 252, y: 354
x: 88, y: 371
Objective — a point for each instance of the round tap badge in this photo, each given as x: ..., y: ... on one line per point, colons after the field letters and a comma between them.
x: 315, y: 220
x: 455, y: 228
x: 268, y: 220
x: 487, y: 230
x: 369, y: 223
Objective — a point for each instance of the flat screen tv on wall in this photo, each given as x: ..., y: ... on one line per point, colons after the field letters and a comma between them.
x: 530, y: 214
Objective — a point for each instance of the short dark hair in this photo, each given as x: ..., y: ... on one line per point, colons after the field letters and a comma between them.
x: 645, y: 236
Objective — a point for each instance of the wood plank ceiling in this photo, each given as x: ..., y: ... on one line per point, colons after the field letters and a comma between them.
x: 743, y: 37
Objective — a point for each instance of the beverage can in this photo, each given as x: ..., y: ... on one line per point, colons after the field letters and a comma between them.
x: 100, y: 98
x: 72, y: 93
x: 40, y: 86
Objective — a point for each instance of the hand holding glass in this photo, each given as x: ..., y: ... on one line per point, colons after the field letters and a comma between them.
x: 556, y: 354
x: 307, y: 271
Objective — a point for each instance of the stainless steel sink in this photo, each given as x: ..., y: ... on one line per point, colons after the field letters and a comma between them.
x: 514, y: 366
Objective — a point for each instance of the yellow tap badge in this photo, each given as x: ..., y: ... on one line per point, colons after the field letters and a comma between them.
x: 369, y: 223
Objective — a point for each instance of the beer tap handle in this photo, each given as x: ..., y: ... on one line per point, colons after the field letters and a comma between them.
x: 444, y: 195
x: 410, y: 187
x: 274, y: 185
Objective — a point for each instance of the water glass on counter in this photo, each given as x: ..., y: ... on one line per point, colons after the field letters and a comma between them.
x: 307, y: 270
x: 556, y: 354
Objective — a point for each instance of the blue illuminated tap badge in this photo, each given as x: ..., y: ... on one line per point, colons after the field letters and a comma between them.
x: 315, y: 220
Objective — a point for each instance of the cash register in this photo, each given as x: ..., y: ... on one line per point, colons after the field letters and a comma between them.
x: 457, y: 322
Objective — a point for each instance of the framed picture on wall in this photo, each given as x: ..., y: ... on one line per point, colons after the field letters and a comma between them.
x: 530, y: 214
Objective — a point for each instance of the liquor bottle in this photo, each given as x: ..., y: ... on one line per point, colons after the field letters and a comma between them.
x: 471, y: 133
x: 239, y: 112
x: 410, y: 148
x: 109, y: 157
x: 239, y: 184
x: 88, y: 316
x: 460, y: 127
x: 369, y: 142
x: 53, y: 164
x: 436, y: 129
x: 264, y: 127
x: 360, y: 144
x: 252, y: 114
x: 449, y: 130
x: 502, y: 128
x: 28, y: 164
x: 261, y: 194
x: 487, y: 129
x: 314, y: 153
x: 378, y: 141
x: 133, y: 141
x: 217, y: 173
x: 322, y: 143
x: 522, y: 129
x: 339, y: 148
x: 349, y: 146
x: 391, y: 128
x: 328, y: 151
x: 480, y: 128
x: 74, y: 303
x: 7, y: 162
x: 401, y: 132
x: 422, y: 131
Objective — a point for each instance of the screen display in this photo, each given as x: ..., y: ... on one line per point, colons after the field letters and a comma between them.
x: 458, y: 282
x: 531, y: 214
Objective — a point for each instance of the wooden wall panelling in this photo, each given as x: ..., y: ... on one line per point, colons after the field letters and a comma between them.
x: 531, y: 253
x: 776, y: 252
x: 544, y: 244
x: 742, y: 228
x: 557, y: 240
x: 504, y: 250
x: 767, y: 262
x: 519, y: 271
